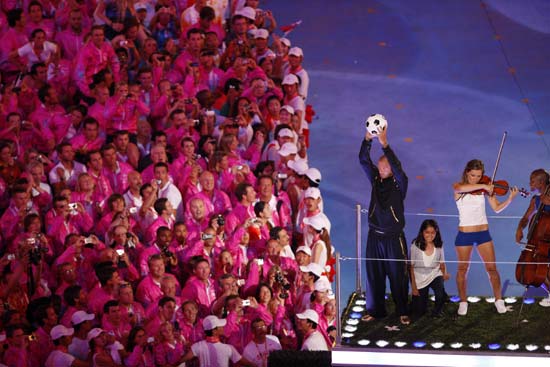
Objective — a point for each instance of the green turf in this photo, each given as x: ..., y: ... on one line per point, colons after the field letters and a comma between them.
x: 481, y: 325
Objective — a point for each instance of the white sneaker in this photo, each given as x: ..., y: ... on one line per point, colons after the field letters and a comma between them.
x: 501, y: 307
x: 462, y: 308
x: 545, y: 302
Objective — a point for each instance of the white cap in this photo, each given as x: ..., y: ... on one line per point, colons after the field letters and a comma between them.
x: 211, y: 322
x: 94, y: 333
x: 322, y: 284
x: 288, y: 149
x: 285, y: 41
x: 305, y: 249
x: 81, y: 316
x: 2, y: 337
x: 59, y: 330
x: 261, y: 33
x: 317, y: 221
x: 309, y: 314
x: 313, y: 174
x: 312, y: 192
x: 247, y: 12
x: 285, y: 132
x: 312, y: 268
x: 140, y: 6
x: 288, y: 109
x: 298, y: 166
x: 290, y: 79
x: 296, y: 51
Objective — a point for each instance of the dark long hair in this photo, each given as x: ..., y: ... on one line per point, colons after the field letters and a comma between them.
x: 419, y: 240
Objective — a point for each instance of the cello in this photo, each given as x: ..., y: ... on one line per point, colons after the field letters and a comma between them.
x: 534, y: 261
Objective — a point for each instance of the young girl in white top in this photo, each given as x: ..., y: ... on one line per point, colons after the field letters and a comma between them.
x: 473, y: 229
x: 428, y: 269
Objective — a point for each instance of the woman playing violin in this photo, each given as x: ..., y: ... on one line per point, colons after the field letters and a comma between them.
x: 538, y: 182
x: 473, y: 230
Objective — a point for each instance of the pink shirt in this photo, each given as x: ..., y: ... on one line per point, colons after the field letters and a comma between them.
x: 80, y: 143
x: 10, y: 41
x: 119, y: 177
x: 202, y: 293
x: 124, y: 116
x: 148, y: 291
x: 97, y: 299
x: 70, y: 43
x: 92, y: 59
x: 52, y: 119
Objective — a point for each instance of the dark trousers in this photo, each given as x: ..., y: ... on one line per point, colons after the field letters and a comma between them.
x: 419, y: 304
x: 382, y: 247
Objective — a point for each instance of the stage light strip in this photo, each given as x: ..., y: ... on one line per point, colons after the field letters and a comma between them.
x: 432, y: 359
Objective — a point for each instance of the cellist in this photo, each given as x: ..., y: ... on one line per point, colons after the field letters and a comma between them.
x: 538, y: 182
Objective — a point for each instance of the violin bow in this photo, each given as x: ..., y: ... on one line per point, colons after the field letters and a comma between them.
x: 498, y: 155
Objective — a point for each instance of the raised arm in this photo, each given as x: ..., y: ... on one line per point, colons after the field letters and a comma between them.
x: 364, y: 159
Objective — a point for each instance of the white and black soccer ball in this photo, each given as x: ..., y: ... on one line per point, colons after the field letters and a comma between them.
x: 376, y: 123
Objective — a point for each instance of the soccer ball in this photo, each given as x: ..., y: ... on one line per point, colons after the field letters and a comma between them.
x: 376, y: 123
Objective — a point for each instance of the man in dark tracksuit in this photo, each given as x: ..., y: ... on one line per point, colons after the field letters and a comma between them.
x: 386, y: 239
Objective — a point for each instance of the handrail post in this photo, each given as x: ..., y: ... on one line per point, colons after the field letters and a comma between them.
x: 338, y: 305
x: 358, y: 250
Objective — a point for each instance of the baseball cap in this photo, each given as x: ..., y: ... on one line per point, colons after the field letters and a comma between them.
x: 247, y: 12
x: 288, y: 149
x: 81, y: 316
x: 261, y: 33
x: 298, y: 166
x: 59, y: 330
x: 296, y: 51
x: 309, y: 314
x: 322, y: 284
x: 317, y: 221
x: 312, y: 192
x: 290, y: 79
x: 140, y: 6
x: 211, y: 322
x: 306, y: 250
x: 313, y: 174
x: 312, y: 268
x: 2, y: 337
x: 286, y: 132
x: 285, y: 41
x: 288, y: 109
x: 94, y: 333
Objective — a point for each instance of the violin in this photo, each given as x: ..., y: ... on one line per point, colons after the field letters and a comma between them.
x: 500, y: 187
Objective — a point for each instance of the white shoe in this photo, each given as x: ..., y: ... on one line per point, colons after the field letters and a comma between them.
x: 545, y: 302
x: 462, y: 308
x: 501, y: 307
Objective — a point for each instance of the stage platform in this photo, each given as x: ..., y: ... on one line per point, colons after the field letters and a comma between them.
x: 481, y: 338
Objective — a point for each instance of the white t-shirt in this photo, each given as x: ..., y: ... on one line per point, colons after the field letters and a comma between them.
x: 58, y: 358
x: 215, y: 354
x: 315, y: 341
x: 471, y: 210
x: 259, y: 353
x: 426, y: 267
x: 79, y: 348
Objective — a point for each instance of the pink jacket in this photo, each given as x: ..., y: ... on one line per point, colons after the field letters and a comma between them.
x: 91, y: 60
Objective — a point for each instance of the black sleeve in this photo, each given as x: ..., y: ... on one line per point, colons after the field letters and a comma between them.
x: 397, y: 170
x: 364, y: 158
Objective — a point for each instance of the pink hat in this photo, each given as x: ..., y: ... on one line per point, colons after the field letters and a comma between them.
x: 290, y: 79
x: 309, y: 314
x: 296, y: 51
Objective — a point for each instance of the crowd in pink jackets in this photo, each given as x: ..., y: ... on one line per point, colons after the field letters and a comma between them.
x: 156, y: 191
